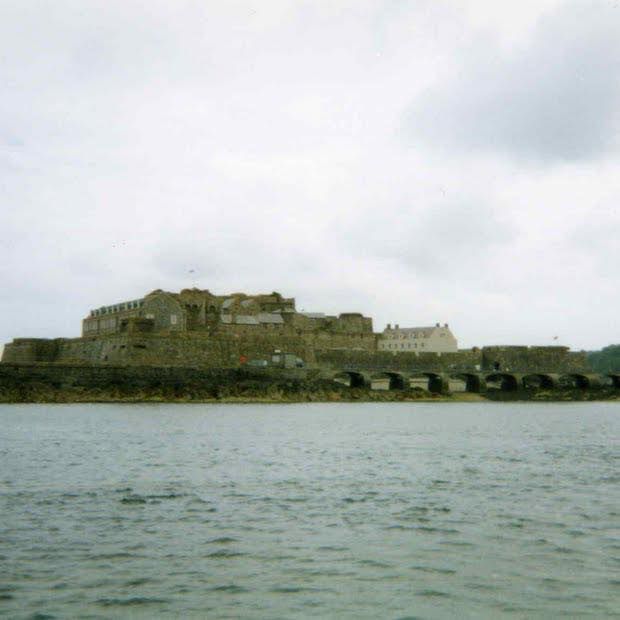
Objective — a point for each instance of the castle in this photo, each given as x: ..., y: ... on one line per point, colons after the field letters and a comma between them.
x: 196, y: 328
x: 201, y: 312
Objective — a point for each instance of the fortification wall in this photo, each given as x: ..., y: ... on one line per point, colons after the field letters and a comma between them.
x: 468, y: 359
x: 174, y: 349
x: 25, y: 350
x: 197, y: 350
x: 327, y: 351
x: 134, y: 377
x: 526, y: 359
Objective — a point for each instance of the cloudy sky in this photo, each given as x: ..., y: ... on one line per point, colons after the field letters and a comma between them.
x: 418, y: 161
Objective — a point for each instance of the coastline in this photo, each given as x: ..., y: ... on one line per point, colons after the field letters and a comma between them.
x: 50, y: 395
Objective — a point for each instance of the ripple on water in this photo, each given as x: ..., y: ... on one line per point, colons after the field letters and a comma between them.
x: 230, y: 589
x: 435, y: 530
x: 430, y: 593
x: 115, y: 555
x: 222, y: 540
x: 225, y: 554
x: 140, y: 581
x: 252, y: 509
x: 133, y: 499
x: 134, y: 601
x: 298, y: 589
x: 375, y: 564
x: 434, y: 569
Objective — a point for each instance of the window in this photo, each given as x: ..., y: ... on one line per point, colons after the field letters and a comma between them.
x: 173, y: 319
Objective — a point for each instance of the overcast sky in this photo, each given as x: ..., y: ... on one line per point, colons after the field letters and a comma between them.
x: 418, y: 161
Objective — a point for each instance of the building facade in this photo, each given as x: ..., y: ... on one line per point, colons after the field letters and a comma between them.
x: 436, y: 339
x: 194, y: 311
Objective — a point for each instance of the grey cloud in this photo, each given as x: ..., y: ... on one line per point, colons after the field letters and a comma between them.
x: 445, y: 238
x: 597, y: 239
x: 139, y: 142
x: 555, y: 99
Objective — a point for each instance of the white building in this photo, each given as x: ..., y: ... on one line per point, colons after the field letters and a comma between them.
x: 435, y: 339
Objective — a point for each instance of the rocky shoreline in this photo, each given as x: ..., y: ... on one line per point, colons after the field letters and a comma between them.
x: 51, y: 383
x: 253, y: 392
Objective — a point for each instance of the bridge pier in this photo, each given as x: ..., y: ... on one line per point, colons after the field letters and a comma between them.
x: 615, y: 379
x: 464, y: 381
x: 504, y: 381
x: 470, y: 381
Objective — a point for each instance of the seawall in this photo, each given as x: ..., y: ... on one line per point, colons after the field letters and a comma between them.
x: 50, y: 382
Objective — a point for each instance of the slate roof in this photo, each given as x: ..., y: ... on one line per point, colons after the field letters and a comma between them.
x: 420, y: 331
x: 270, y: 317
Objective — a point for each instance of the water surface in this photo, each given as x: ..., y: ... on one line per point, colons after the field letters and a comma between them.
x: 412, y: 510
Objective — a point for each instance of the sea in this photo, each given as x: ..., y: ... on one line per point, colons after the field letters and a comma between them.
x: 368, y: 510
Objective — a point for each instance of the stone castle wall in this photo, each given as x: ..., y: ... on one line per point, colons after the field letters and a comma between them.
x: 135, y: 377
x: 329, y: 351
x: 524, y: 359
x: 469, y: 359
x: 172, y: 349
x: 26, y: 350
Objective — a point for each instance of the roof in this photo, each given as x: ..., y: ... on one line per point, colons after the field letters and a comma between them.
x: 425, y: 331
x: 252, y: 319
x: 246, y: 319
x: 269, y: 317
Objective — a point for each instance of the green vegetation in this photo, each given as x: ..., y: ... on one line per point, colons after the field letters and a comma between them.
x: 606, y: 360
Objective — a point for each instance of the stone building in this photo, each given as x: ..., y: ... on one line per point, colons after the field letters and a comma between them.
x: 197, y: 328
x: 199, y: 311
x: 436, y: 339
x: 189, y: 310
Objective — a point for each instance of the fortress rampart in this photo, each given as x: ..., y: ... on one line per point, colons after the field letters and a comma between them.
x: 196, y: 329
x: 486, y: 359
x: 230, y: 351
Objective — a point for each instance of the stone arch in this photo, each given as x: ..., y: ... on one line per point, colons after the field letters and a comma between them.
x: 397, y: 381
x: 579, y: 381
x: 351, y: 378
x: 540, y: 381
x: 473, y: 382
x: 505, y: 381
x: 435, y: 382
